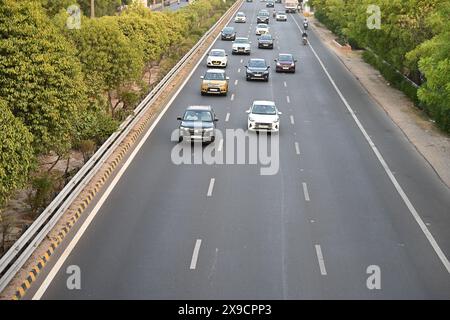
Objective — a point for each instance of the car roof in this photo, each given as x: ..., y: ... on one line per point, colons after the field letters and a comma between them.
x: 264, y: 102
x: 221, y: 50
x: 215, y: 71
x: 241, y: 38
x: 285, y: 54
x: 240, y: 12
x: 202, y: 108
x: 228, y: 28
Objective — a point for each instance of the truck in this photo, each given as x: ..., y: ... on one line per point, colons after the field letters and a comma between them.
x: 290, y: 6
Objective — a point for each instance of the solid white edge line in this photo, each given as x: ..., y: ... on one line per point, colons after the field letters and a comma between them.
x: 45, y: 284
x: 386, y: 168
x: 323, y: 270
x: 211, y: 187
x: 195, y: 254
x: 305, y: 191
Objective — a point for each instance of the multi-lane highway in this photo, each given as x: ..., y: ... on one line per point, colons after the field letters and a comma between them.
x: 351, y: 193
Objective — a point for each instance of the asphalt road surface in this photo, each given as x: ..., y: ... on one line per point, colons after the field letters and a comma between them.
x: 350, y: 198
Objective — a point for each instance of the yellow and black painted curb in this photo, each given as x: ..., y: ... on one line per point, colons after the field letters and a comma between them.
x: 81, y: 206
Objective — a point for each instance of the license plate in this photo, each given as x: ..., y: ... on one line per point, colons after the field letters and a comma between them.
x: 214, y: 89
x: 265, y: 45
x: 285, y: 68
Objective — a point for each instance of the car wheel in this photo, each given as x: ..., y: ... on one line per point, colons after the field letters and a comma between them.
x: 213, y: 138
x: 267, y: 79
x: 202, y: 93
x: 180, y: 139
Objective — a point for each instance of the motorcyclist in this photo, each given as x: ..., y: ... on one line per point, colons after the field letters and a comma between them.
x: 305, y: 23
x: 304, y: 37
x: 274, y: 13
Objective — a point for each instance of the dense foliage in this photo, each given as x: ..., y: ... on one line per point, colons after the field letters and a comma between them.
x: 414, y: 38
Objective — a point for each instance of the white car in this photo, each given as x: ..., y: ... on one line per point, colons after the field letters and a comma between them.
x: 263, y: 116
x: 281, y: 16
x: 241, y: 45
x: 240, y: 17
x: 217, y: 58
x: 262, y: 28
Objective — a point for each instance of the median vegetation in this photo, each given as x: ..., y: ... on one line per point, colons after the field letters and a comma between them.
x: 64, y: 89
x: 411, y: 49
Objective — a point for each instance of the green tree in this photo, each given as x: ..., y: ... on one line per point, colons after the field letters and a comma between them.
x: 40, y: 77
x: 110, y: 61
x: 16, y: 154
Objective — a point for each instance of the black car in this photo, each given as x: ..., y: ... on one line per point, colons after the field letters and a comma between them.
x: 270, y: 4
x: 285, y: 63
x: 263, y: 17
x: 265, y: 41
x: 228, y: 33
x: 197, y: 124
x: 277, y: 1
x: 257, y: 69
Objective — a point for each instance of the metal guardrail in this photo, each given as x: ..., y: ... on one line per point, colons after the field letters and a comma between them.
x: 13, y: 260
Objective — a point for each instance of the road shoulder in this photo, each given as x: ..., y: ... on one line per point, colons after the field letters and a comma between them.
x: 431, y: 143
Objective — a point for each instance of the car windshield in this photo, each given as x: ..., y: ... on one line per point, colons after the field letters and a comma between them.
x: 257, y: 64
x: 266, y: 37
x: 214, y: 76
x: 263, y: 13
x: 281, y: 12
x: 241, y: 14
x: 285, y: 57
x: 262, y: 26
x: 228, y: 30
x: 241, y: 40
x: 197, y: 115
x: 217, y: 53
x: 264, y: 109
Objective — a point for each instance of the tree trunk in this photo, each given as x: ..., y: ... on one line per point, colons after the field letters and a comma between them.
x: 92, y: 8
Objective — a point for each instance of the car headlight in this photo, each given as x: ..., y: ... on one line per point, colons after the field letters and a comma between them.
x: 251, y: 119
x: 276, y: 120
x: 209, y: 129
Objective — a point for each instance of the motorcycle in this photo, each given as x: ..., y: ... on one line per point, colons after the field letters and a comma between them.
x: 305, y: 26
x: 305, y: 41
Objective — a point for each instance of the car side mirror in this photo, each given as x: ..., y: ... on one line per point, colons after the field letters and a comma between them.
x: 280, y: 113
x: 228, y: 78
x: 246, y: 67
x: 268, y: 67
x: 275, y: 60
x: 202, y: 77
x: 215, y: 119
x: 179, y: 118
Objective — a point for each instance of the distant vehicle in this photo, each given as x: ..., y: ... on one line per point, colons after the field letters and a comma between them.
x: 277, y: 1
x: 228, y: 33
x: 241, y: 45
x: 281, y: 16
x: 215, y: 81
x: 257, y: 69
x: 285, y: 63
x: 240, y: 17
x: 290, y: 6
x: 198, y: 123
x: 217, y: 58
x: 265, y: 41
x: 270, y: 4
x: 263, y: 16
x: 263, y: 116
x: 249, y: 0
x: 261, y: 28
